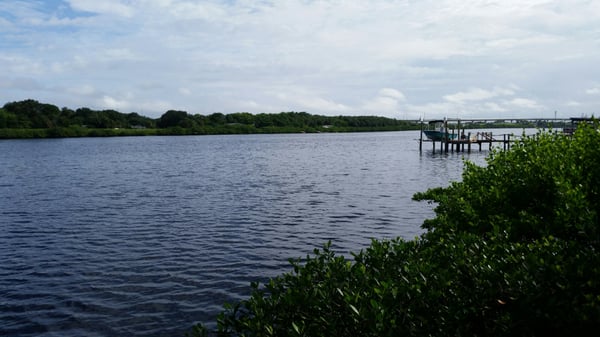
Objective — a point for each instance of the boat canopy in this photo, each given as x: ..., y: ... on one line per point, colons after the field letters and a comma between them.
x: 435, y: 121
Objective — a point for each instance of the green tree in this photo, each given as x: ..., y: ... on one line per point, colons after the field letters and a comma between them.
x: 8, y: 120
x: 263, y: 120
x: 135, y: 120
x: 172, y: 118
x: 217, y: 118
x: 82, y: 116
x: 241, y: 118
x: 33, y: 114
x: 200, y: 120
x: 67, y: 118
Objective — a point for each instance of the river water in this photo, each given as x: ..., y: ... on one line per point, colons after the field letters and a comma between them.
x: 149, y: 235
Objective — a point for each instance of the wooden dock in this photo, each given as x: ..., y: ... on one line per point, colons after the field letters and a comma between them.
x: 479, y: 140
x: 459, y: 138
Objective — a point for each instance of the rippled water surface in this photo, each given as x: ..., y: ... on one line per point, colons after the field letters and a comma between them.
x: 148, y: 235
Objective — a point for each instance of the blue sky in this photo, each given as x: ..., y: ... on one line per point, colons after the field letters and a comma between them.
x: 394, y: 58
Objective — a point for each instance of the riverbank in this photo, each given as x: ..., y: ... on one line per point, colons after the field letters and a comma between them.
x: 70, y: 132
x: 32, y: 119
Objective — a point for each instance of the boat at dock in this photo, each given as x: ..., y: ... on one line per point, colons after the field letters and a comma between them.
x: 437, y: 132
x: 451, y: 134
x: 439, y: 135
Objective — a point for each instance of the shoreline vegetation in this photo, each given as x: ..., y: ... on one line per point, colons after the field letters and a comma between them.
x: 513, y: 250
x: 32, y: 119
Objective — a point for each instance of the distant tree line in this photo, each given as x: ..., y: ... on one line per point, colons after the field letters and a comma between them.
x: 173, y: 118
x: 31, y: 114
x: 51, y: 121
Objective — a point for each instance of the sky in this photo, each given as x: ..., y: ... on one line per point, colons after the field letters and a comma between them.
x: 404, y: 59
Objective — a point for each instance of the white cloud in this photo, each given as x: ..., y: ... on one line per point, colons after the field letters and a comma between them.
x: 319, y: 104
x: 448, y: 57
x: 303, y: 99
x: 113, y: 103
x: 83, y: 90
x: 430, y: 110
x: 495, y: 107
x: 155, y: 105
x: 119, y: 54
x: 593, y: 91
x: 392, y: 93
x: 20, y: 83
x: 5, y: 25
x: 386, y: 103
x: 477, y: 94
x: 111, y: 7
x: 525, y: 103
x: 197, y: 10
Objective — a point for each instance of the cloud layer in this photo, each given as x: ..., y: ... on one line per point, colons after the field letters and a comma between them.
x: 395, y: 58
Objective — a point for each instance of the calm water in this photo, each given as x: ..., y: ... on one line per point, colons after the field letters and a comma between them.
x: 148, y: 235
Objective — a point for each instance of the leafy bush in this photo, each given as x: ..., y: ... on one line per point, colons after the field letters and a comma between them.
x: 513, y: 250
x: 548, y: 185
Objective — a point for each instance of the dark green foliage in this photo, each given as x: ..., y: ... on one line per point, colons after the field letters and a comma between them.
x: 217, y: 118
x: 19, y: 119
x: 30, y: 114
x: 172, y: 118
x: 136, y: 121
x: 512, y: 251
x: 240, y: 118
x: 8, y: 120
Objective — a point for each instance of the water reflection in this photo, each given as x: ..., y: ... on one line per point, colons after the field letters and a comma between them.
x: 146, y: 235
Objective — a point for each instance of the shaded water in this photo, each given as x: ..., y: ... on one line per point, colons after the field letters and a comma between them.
x: 148, y: 235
